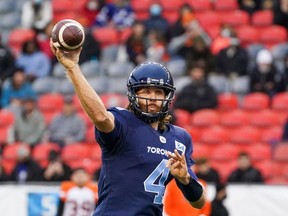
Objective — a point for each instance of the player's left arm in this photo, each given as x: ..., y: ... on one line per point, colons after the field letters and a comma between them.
x: 190, y: 187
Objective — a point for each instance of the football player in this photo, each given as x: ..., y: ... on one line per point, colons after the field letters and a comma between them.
x: 141, y: 150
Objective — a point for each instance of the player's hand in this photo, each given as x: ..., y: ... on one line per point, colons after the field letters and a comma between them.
x: 178, y: 166
x: 68, y: 59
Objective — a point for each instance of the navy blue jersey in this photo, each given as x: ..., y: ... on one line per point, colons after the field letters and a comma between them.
x: 134, y: 173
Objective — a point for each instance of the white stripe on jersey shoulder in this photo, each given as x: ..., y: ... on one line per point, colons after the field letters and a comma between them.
x: 120, y: 108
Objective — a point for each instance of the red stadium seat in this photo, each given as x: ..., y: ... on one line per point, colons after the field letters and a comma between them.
x: 205, y: 118
x: 273, y: 35
x: 255, y: 101
x: 17, y: 37
x: 61, y: 5
x: 141, y: 5
x: 125, y: 34
x: 6, y: 118
x: 114, y: 99
x: 227, y: 102
x: 264, y: 118
x: 248, y: 35
x: 88, y: 122
x: 280, y: 102
x: 227, y: 152
x: 171, y: 16
x: 171, y: 5
x: 277, y: 180
x: 41, y: 152
x: 74, y: 154
x: 90, y: 135
x: 272, y: 134
x: 214, y: 136
x: 182, y: 117
x: 281, y: 153
x: 208, y: 19
x: 234, y: 118
x: 245, y: 135
x: 224, y: 168
x: 4, y: 136
x: 10, y: 155
x: 259, y: 152
x: 262, y: 18
x: 268, y: 169
x: 200, y: 150
x: 224, y: 5
x: 195, y: 133
x: 50, y: 102
x: 200, y: 5
x: 106, y: 36
x: 235, y: 18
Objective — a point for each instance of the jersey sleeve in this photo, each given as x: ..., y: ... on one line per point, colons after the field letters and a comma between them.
x: 113, y: 139
x: 64, y: 188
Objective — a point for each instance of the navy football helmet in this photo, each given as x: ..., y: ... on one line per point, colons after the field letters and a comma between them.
x: 147, y: 75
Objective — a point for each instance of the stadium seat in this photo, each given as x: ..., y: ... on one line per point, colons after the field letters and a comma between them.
x: 200, y: 150
x: 208, y: 19
x: 58, y: 71
x: 171, y: 5
x: 61, y: 5
x: 214, y: 135
x: 272, y: 134
x: 177, y: 67
x: 15, y: 41
x: 248, y: 35
x: 4, y: 136
x: 6, y: 118
x: 106, y: 36
x: 90, y: 135
x: 280, y: 102
x: 226, y: 152
x: 49, y: 116
x: 195, y: 133
x: 125, y: 34
x: 255, y: 101
x: 235, y: 18
x: 259, y: 152
x: 114, y: 99
x: 41, y: 152
x: 119, y: 69
x: 226, y: 5
x: 51, y: 102
x: 264, y: 118
x: 141, y: 5
x: 227, y: 101
x: 245, y: 135
x: 224, y: 168
x: 75, y: 152
x: 200, y: 5
x: 281, y: 153
x: 182, y: 117
x: 10, y: 155
x: 45, y: 85
x: 86, y: 119
x: 234, y: 118
x: 277, y: 180
x: 262, y: 18
x: 268, y: 169
x: 273, y: 35
x: 205, y: 118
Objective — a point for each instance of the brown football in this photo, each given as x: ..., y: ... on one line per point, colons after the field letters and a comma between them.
x: 68, y: 34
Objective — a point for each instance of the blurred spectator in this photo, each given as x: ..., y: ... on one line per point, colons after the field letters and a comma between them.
x: 264, y: 76
x: 267, y: 4
x: 26, y: 168
x: 79, y: 195
x: 175, y: 204
x: 198, y: 94
x: 156, y: 21
x: 91, y: 48
x: 245, y: 173
x: 67, y: 127
x: 280, y: 11
x: 250, y: 6
x: 96, y: 174
x: 36, y: 14
x: 118, y: 14
x: 7, y: 62
x: 183, y: 31
x: 16, y: 90
x: 34, y: 62
x: 135, y: 45
x: 56, y: 170
x: 232, y: 63
x: 285, y: 131
x: 218, y: 208
x: 90, y: 11
x: 206, y: 172
x: 29, y: 124
x: 156, y: 47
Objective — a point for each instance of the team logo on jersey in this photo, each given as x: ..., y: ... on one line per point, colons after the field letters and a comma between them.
x: 162, y: 139
x: 180, y: 147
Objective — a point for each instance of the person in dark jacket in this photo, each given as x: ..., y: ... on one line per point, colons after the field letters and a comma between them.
x: 218, y: 208
x: 198, y: 94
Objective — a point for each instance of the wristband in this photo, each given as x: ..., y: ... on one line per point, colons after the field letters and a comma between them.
x: 192, y: 191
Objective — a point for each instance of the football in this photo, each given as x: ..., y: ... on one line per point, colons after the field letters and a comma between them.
x: 68, y: 35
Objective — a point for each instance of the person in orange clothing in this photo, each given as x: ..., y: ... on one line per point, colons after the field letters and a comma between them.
x: 175, y: 204
x: 78, y: 196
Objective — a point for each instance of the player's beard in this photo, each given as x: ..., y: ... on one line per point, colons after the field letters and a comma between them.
x: 151, y: 107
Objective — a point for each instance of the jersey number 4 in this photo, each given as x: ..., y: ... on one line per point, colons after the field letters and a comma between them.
x: 155, y: 181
